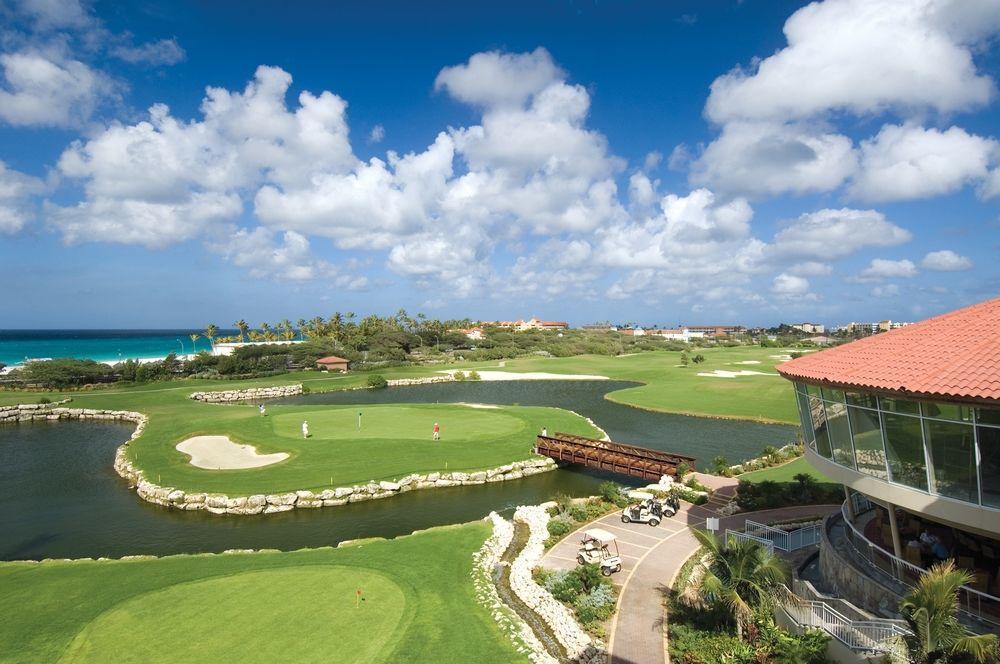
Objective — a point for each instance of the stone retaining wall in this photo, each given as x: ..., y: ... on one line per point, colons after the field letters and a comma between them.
x: 264, y: 503
x: 401, y: 382
x: 578, y: 644
x: 249, y: 394
x: 851, y: 584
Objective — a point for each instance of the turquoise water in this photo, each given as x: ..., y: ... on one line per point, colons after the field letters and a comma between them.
x: 102, y: 345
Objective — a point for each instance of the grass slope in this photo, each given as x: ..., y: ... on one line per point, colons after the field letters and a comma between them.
x: 785, y: 472
x: 419, y: 606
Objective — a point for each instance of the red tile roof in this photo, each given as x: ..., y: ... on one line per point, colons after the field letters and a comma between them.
x: 954, y: 355
x: 330, y: 359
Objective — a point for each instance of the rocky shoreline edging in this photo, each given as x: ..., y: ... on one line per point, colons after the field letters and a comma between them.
x: 578, y: 644
x: 216, y: 503
x: 248, y: 394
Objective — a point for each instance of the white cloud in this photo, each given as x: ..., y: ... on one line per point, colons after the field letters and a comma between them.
x: 653, y: 159
x: 865, y: 56
x: 56, y: 14
x: 945, y: 260
x: 831, y: 234
x: 881, y: 268
x: 755, y: 158
x: 376, y: 134
x: 16, y: 191
x: 45, y: 89
x: 889, y: 290
x: 810, y: 269
x: 162, y: 52
x: 499, y: 79
x: 789, y: 285
x: 907, y: 161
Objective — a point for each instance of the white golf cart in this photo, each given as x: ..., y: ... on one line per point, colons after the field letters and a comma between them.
x: 648, y: 508
x: 596, y: 549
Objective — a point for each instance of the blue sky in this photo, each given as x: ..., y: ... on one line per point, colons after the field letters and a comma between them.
x: 657, y: 162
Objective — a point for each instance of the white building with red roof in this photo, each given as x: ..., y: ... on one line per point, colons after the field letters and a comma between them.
x: 909, y: 422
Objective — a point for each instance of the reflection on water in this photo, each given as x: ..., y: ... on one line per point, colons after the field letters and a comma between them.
x: 60, y: 497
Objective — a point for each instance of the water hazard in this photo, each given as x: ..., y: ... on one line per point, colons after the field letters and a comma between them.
x: 60, y: 497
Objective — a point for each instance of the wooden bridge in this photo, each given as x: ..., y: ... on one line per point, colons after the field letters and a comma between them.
x: 614, y: 457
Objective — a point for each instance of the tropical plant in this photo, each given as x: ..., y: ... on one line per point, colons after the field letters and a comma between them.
x: 194, y: 340
x: 741, y: 576
x: 720, y: 464
x: 698, y: 359
x: 211, y: 331
x: 377, y: 381
x: 931, y: 611
x: 242, y: 326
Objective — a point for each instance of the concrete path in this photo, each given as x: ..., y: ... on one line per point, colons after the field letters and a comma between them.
x: 651, y: 558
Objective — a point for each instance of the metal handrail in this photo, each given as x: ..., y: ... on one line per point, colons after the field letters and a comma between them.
x: 785, y: 540
x: 740, y: 535
x: 871, y: 636
x: 971, y: 601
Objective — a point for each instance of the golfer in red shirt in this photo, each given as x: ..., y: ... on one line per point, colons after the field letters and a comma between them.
x: 437, y: 431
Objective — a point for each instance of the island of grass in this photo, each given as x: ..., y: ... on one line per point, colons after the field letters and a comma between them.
x: 392, y: 441
x: 416, y: 604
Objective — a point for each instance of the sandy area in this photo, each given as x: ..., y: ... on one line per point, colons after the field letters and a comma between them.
x: 530, y: 375
x: 220, y: 453
x: 476, y: 405
x: 721, y: 373
x: 748, y: 362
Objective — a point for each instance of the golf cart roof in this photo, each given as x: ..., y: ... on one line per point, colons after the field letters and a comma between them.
x: 602, y: 536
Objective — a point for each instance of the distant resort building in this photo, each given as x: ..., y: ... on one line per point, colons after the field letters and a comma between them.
x: 532, y: 324
x: 909, y: 422
x: 810, y: 328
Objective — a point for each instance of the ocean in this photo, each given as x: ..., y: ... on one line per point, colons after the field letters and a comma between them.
x: 101, y: 345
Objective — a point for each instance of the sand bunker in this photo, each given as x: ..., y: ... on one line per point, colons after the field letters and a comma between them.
x: 476, y: 405
x: 721, y: 373
x: 220, y: 453
x: 531, y: 375
x: 748, y: 362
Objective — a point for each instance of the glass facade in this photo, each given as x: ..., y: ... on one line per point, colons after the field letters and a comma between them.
x: 944, y: 449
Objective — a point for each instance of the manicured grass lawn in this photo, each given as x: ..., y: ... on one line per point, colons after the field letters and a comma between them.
x: 394, y: 441
x: 418, y: 606
x: 676, y: 389
x: 785, y: 472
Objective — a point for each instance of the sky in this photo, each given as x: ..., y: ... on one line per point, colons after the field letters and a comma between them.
x: 168, y: 164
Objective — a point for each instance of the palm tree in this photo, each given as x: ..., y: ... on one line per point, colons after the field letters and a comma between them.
x: 742, y: 575
x: 242, y: 326
x: 301, y: 323
x: 194, y: 338
x: 211, y: 330
x: 287, y: 331
x: 931, y: 608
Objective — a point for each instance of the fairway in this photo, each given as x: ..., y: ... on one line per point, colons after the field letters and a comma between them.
x: 209, y: 620
x: 417, y: 605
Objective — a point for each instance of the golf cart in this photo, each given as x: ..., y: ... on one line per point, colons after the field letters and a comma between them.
x: 596, y: 549
x: 649, y: 509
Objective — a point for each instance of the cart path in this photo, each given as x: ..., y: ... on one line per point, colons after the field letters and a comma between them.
x: 651, y: 558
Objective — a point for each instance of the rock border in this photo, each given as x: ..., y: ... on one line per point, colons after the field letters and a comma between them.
x: 248, y: 394
x: 579, y: 645
x: 217, y: 503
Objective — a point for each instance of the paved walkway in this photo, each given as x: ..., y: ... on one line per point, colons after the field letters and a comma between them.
x: 651, y: 558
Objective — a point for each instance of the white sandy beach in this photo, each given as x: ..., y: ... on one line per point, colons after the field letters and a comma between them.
x: 220, y: 453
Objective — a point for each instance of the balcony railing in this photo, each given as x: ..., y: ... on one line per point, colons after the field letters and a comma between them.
x: 785, y: 540
x: 974, y: 603
x: 882, y: 637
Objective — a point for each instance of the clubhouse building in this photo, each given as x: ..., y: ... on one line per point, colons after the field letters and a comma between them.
x: 909, y: 422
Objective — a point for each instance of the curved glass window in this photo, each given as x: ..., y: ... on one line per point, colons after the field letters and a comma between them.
x: 807, y: 430
x: 817, y: 415
x: 891, y: 405
x: 948, y: 411
x: 840, y: 433
x: 862, y: 399
x: 869, y: 452
x: 989, y: 459
x: 904, y: 447
x: 988, y: 416
x: 953, y: 457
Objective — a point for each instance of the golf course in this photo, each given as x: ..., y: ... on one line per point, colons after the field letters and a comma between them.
x: 415, y: 596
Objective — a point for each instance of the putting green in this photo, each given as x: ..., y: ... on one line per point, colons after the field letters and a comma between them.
x: 457, y: 423
x: 220, y: 619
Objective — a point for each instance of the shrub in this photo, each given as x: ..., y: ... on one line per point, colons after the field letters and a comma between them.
x: 698, y: 359
x: 45, y: 400
x: 306, y: 389
x: 609, y: 491
x: 683, y: 469
x: 458, y: 375
x: 596, y: 605
x: 565, y: 585
x: 377, y: 381
x: 559, y: 526
x: 563, y: 503
x: 473, y: 375
x: 578, y: 513
x: 721, y: 464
